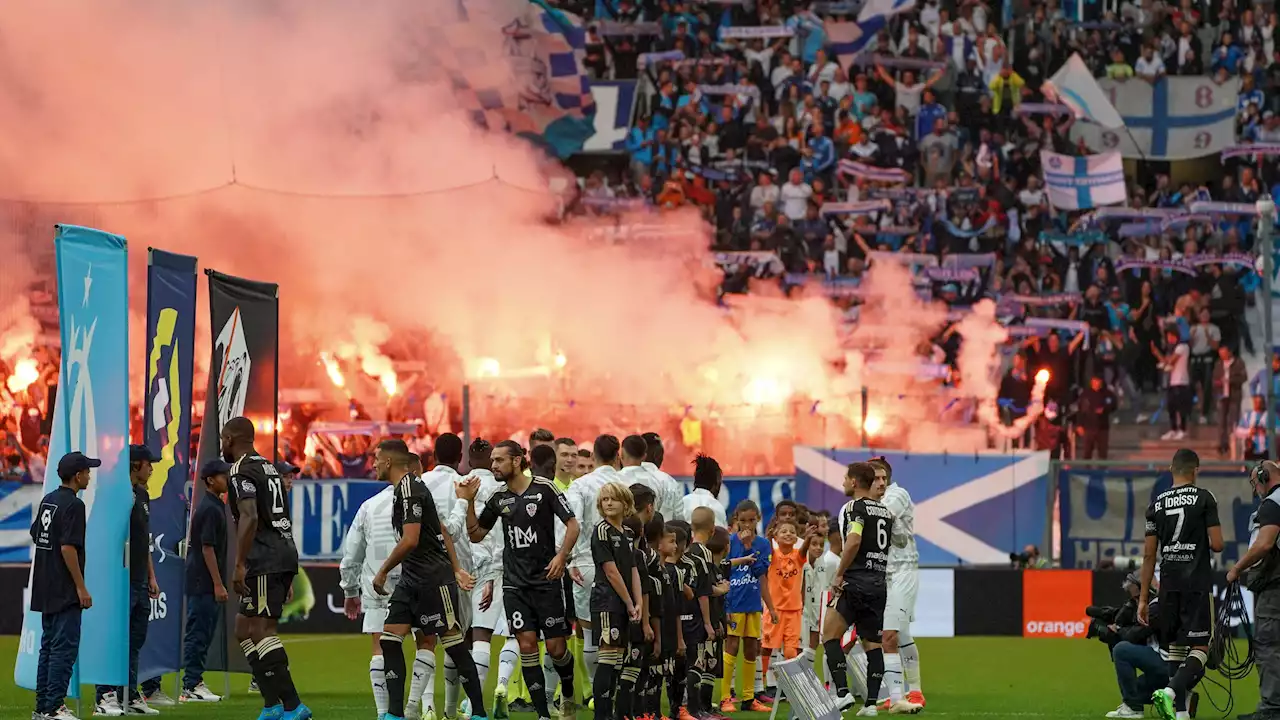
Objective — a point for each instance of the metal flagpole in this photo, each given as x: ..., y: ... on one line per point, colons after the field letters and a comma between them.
x: 466, y: 415
x: 1266, y: 219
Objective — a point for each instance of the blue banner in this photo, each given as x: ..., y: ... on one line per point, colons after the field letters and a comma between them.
x: 1103, y: 512
x: 171, y: 331
x: 16, y: 503
x: 91, y: 415
x: 323, y: 510
x: 970, y: 508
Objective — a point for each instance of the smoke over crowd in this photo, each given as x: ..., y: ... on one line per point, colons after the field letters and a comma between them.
x: 316, y: 145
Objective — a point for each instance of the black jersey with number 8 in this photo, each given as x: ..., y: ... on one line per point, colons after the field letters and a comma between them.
x: 253, y: 477
x: 528, y: 525
x: 1179, y: 520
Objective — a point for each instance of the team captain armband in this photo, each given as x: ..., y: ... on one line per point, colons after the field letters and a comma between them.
x: 855, y: 528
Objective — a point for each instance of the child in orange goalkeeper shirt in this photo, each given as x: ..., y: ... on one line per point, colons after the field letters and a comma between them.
x: 786, y: 587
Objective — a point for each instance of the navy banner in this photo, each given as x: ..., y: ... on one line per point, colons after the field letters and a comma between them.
x: 171, y: 334
x: 1103, y: 512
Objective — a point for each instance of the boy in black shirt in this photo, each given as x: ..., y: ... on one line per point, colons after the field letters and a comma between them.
x: 1182, y: 525
x: 58, y: 591
x: 206, y: 589
x: 695, y: 618
x: 616, y: 598
x: 664, y: 612
x: 142, y: 588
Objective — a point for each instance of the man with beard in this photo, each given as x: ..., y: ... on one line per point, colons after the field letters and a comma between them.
x: 266, y: 562
x: 533, y: 597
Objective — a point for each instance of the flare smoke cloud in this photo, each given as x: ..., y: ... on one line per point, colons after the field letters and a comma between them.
x: 315, y: 145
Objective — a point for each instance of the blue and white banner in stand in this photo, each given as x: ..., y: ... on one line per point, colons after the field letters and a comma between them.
x: 1083, y: 183
x: 1175, y: 118
x: 171, y: 333
x: 91, y: 415
x: 969, y: 508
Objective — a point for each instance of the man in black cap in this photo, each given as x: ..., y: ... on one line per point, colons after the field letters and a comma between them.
x: 58, y: 591
x: 206, y: 587
x: 288, y: 473
x: 116, y: 701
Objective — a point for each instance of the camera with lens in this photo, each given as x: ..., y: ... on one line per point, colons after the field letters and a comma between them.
x: 1101, y: 617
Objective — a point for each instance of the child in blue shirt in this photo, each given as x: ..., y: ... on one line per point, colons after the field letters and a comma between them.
x: 747, y: 599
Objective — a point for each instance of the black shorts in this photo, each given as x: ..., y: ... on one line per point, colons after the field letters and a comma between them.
x: 710, y: 658
x: 267, y: 595
x: 431, y: 609
x: 863, y: 610
x: 538, y: 609
x: 1184, y: 618
x: 612, y: 627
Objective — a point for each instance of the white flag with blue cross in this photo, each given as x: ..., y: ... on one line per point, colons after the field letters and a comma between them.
x: 1082, y: 183
x: 1175, y: 118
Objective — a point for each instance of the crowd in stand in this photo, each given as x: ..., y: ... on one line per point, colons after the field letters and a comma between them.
x: 779, y: 142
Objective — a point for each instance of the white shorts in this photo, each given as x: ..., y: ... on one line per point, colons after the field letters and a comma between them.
x: 582, y: 593
x: 375, y: 615
x: 464, y: 609
x: 493, y: 619
x: 900, y: 606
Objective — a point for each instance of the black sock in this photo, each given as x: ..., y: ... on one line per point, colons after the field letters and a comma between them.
x: 837, y: 666
x: 564, y: 668
x: 628, y: 680
x: 531, y: 671
x: 467, y: 673
x: 652, y: 682
x: 275, y: 667
x: 603, y: 684
x: 693, y: 683
x: 875, y: 674
x: 269, y: 697
x: 393, y: 669
x: 1190, y: 672
x: 675, y: 685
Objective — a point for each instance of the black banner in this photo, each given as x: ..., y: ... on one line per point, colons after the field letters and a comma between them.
x: 243, y: 381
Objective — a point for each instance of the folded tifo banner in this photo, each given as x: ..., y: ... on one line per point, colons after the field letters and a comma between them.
x: 91, y: 415
x: 1075, y: 87
x: 969, y: 508
x: 550, y: 101
x: 848, y: 39
x: 1083, y: 183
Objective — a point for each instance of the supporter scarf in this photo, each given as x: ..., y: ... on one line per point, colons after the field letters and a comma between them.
x: 1251, y: 149
x: 748, y: 33
x: 898, y: 231
x: 1238, y: 259
x: 1224, y: 208
x: 966, y: 234
x: 872, y: 173
x: 970, y: 260
x: 1078, y: 326
x: 713, y: 90
x: 646, y: 58
x: 1043, y: 300
x: 1126, y: 263
x: 903, y: 63
x: 951, y: 274
x: 864, y: 207
x: 1044, y: 109
x: 903, y: 258
x: 1086, y: 237
x: 1138, y: 229
x: 610, y: 28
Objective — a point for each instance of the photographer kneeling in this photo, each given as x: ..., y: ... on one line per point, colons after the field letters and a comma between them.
x: 1133, y: 648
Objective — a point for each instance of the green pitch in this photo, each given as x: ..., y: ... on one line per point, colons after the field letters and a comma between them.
x: 963, y: 677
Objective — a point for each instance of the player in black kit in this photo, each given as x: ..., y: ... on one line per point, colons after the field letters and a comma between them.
x: 1182, y: 524
x: 266, y: 562
x: 859, y: 589
x: 426, y: 597
x: 616, y: 600
x: 533, y: 597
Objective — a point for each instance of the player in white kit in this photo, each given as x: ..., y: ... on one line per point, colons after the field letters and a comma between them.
x: 488, y: 616
x: 900, y: 654
x: 365, y: 549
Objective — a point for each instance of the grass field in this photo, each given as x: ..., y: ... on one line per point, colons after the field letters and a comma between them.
x: 962, y: 677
